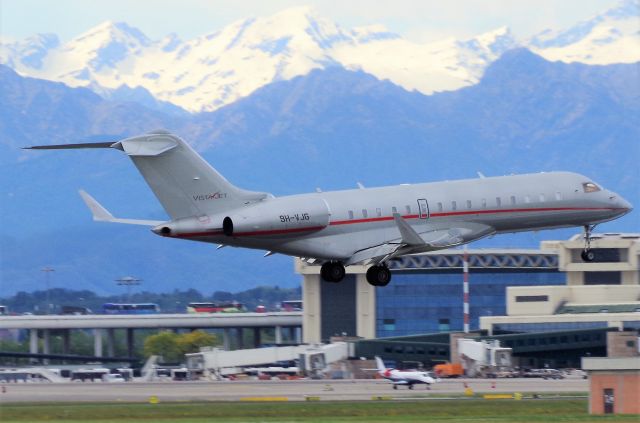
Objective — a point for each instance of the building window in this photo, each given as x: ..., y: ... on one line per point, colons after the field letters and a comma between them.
x: 631, y: 344
x: 389, y: 324
x: 531, y: 298
x: 444, y: 325
x: 602, y: 278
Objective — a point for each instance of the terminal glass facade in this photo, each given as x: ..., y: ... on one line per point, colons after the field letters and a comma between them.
x: 427, y: 301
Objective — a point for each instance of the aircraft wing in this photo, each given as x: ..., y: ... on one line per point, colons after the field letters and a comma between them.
x: 100, y: 214
x: 411, y: 242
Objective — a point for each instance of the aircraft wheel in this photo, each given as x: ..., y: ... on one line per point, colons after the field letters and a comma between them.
x: 332, y: 271
x: 588, y: 256
x: 395, y: 386
x: 410, y: 386
x: 379, y: 275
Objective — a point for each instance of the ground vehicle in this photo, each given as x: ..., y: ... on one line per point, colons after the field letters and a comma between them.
x: 448, y: 370
x: 75, y: 310
x: 113, y: 377
x: 141, y: 308
x: 291, y: 305
x: 214, y: 307
x: 544, y: 373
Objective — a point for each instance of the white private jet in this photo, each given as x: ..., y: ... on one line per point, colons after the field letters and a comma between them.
x: 405, y: 377
x: 360, y: 226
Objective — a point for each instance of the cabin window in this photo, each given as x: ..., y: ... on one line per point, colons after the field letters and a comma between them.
x: 590, y: 187
x: 439, y: 207
x: 378, y: 212
x: 408, y: 208
x: 542, y: 198
x: 350, y: 214
x: 498, y: 201
x: 454, y: 206
x: 364, y: 213
x: 558, y: 195
x: 394, y: 210
x: 484, y: 203
x: 513, y: 200
x: 468, y: 204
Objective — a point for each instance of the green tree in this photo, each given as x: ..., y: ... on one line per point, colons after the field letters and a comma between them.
x: 192, y: 341
x: 164, y: 344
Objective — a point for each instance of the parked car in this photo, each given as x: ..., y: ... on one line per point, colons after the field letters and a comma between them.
x: 544, y: 373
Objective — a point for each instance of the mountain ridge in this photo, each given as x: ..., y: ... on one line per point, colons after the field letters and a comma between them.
x: 230, y: 63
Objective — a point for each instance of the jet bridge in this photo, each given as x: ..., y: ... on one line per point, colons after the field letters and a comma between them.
x: 215, y: 362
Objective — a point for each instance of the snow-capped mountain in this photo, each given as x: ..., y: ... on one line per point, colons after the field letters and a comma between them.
x: 216, y: 69
x: 611, y: 37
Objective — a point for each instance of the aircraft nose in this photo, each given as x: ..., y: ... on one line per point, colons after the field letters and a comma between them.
x: 621, y: 204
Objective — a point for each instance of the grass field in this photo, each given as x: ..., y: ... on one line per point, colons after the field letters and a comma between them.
x: 471, y: 411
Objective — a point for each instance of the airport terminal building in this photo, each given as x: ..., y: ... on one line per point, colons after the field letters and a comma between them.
x: 510, y: 291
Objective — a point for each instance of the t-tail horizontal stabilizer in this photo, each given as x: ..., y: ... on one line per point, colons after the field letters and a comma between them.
x: 100, y: 214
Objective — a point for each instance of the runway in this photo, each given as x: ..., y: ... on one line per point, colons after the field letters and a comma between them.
x: 298, y: 390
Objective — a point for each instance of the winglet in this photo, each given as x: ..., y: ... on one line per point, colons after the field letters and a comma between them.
x: 100, y: 214
x: 409, y: 236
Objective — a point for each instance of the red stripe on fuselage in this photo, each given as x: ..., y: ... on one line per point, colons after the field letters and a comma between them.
x: 471, y: 212
x: 388, y: 218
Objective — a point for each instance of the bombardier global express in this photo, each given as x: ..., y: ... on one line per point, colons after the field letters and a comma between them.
x: 360, y: 226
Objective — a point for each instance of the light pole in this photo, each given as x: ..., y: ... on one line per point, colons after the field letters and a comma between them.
x: 47, y: 270
x: 128, y: 281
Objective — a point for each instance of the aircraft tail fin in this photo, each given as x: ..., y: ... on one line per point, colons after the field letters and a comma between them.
x: 184, y: 183
x: 380, y: 364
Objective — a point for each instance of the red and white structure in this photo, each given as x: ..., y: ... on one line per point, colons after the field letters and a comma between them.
x: 465, y: 289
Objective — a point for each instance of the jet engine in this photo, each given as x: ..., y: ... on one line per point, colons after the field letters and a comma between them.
x: 277, y: 218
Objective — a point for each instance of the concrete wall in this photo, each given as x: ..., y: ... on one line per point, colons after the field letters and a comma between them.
x: 592, y: 294
x: 622, y: 344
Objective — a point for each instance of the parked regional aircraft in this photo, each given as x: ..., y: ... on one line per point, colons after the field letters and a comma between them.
x: 361, y: 226
x: 401, y: 377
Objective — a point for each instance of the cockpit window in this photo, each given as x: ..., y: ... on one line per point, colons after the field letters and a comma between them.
x: 590, y: 187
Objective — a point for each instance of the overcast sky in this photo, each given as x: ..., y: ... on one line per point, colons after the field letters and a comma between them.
x: 417, y: 20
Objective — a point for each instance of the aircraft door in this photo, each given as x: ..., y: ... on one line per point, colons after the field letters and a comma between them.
x: 423, y: 209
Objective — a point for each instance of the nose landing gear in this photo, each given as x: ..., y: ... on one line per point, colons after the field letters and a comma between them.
x: 587, y: 254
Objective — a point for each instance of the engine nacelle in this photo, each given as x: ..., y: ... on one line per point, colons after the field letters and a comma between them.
x: 278, y: 218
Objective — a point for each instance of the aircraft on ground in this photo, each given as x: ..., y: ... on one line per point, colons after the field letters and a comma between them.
x: 368, y: 226
x: 402, y: 377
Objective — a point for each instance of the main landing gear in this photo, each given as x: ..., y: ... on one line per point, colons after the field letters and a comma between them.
x: 332, y: 271
x: 587, y: 254
x: 379, y: 275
